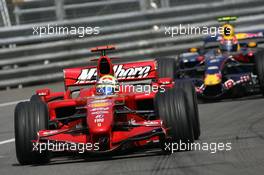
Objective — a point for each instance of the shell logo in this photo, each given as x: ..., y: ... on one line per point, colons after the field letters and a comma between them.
x: 99, y: 105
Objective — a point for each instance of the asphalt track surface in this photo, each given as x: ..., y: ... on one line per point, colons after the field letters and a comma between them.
x: 240, y: 122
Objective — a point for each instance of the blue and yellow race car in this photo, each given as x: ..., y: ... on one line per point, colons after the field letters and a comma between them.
x: 234, y: 68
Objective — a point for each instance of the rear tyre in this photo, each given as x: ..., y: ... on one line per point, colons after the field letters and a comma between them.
x: 260, y: 69
x: 171, y: 107
x: 166, y: 68
x: 193, y: 112
x: 30, y: 117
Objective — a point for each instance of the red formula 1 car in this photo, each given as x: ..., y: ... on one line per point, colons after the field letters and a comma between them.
x: 115, y: 107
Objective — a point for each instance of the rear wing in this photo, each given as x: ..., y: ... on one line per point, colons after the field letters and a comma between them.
x: 239, y: 36
x: 242, y: 36
x: 257, y: 36
x: 124, y: 72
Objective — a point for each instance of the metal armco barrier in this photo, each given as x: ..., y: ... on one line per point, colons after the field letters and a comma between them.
x: 137, y: 35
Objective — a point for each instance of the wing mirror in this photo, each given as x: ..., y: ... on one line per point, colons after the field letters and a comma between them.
x: 43, y: 92
x: 193, y: 50
x: 252, y: 44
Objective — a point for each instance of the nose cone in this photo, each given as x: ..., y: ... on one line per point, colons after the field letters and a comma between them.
x: 100, y: 115
x: 212, y: 79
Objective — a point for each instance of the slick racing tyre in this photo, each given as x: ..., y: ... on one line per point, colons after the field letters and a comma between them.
x: 166, y: 68
x: 35, y: 98
x: 30, y: 117
x: 260, y: 69
x: 193, y: 112
x: 171, y: 107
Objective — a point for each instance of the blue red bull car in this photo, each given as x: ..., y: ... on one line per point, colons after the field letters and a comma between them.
x: 232, y: 68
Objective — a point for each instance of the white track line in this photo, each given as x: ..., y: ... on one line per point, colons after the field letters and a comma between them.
x: 7, y: 141
x: 11, y: 103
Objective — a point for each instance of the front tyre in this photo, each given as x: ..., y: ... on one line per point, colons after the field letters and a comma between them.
x: 171, y: 107
x: 35, y: 98
x: 166, y: 68
x: 30, y: 117
x: 260, y: 69
x: 188, y: 88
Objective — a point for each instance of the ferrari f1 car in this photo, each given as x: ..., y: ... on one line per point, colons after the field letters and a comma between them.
x: 105, y: 116
x: 234, y: 68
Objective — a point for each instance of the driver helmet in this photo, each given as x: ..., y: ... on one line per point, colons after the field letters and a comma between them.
x: 229, y: 42
x: 230, y: 45
x: 106, y: 85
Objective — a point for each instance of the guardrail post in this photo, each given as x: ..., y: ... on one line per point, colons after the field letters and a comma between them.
x: 2, y: 14
x: 16, y: 11
x: 144, y: 4
x: 17, y: 14
x: 165, y: 3
x: 5, y: 13
x: 5, y: 16
x: 60, y: 12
